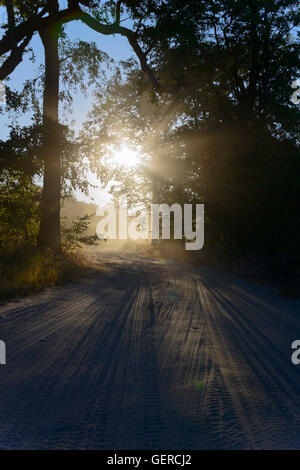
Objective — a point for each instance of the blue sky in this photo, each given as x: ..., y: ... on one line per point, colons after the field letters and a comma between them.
x: 116, y: 47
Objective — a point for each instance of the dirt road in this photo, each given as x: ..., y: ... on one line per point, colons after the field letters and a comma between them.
x: 150, y: 354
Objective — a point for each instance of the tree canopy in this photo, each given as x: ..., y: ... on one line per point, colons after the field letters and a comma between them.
x: 206, y: 101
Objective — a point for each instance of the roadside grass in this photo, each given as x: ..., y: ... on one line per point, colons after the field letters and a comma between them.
x: 25, y: 272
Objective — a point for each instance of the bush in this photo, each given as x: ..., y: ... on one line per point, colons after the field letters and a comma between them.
x: 75, y: 236
x: 25, y: 272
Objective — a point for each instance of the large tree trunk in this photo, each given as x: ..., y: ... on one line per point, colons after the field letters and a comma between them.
x: 49, y: 233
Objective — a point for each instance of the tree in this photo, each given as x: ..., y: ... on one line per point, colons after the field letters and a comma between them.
x: 235, y: 143
x: 30, y: 19
x: 49, y: 233
x: 24, y: 20
x: 237, y: 62
x: 124, y: 111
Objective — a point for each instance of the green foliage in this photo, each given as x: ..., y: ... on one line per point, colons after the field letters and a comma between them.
x: 82, y: 65
x: 221, y: 130
x: 72, y: 208
x: 76, y: 236
x: 24, y: 272
x: 228, y: 132
x: 19, y: 210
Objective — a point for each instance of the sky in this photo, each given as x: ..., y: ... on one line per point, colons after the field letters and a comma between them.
x: 116, y: 47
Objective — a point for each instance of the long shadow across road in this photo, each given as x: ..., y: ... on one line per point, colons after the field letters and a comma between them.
x: 150, y: 356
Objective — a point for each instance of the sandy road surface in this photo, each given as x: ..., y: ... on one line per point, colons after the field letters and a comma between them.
x: 150, y: 355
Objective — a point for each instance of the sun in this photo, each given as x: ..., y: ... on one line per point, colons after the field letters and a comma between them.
x: 126, y: 157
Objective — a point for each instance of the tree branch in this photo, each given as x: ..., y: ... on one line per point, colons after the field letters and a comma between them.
x: 14, y: 59
x: 131, y: 37
x: 118, y: 12
x: 34, y: 24
x: 10, y: 14
x: 74, y: 12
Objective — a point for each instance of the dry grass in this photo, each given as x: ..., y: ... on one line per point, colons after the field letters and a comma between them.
x: 25, y: 272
